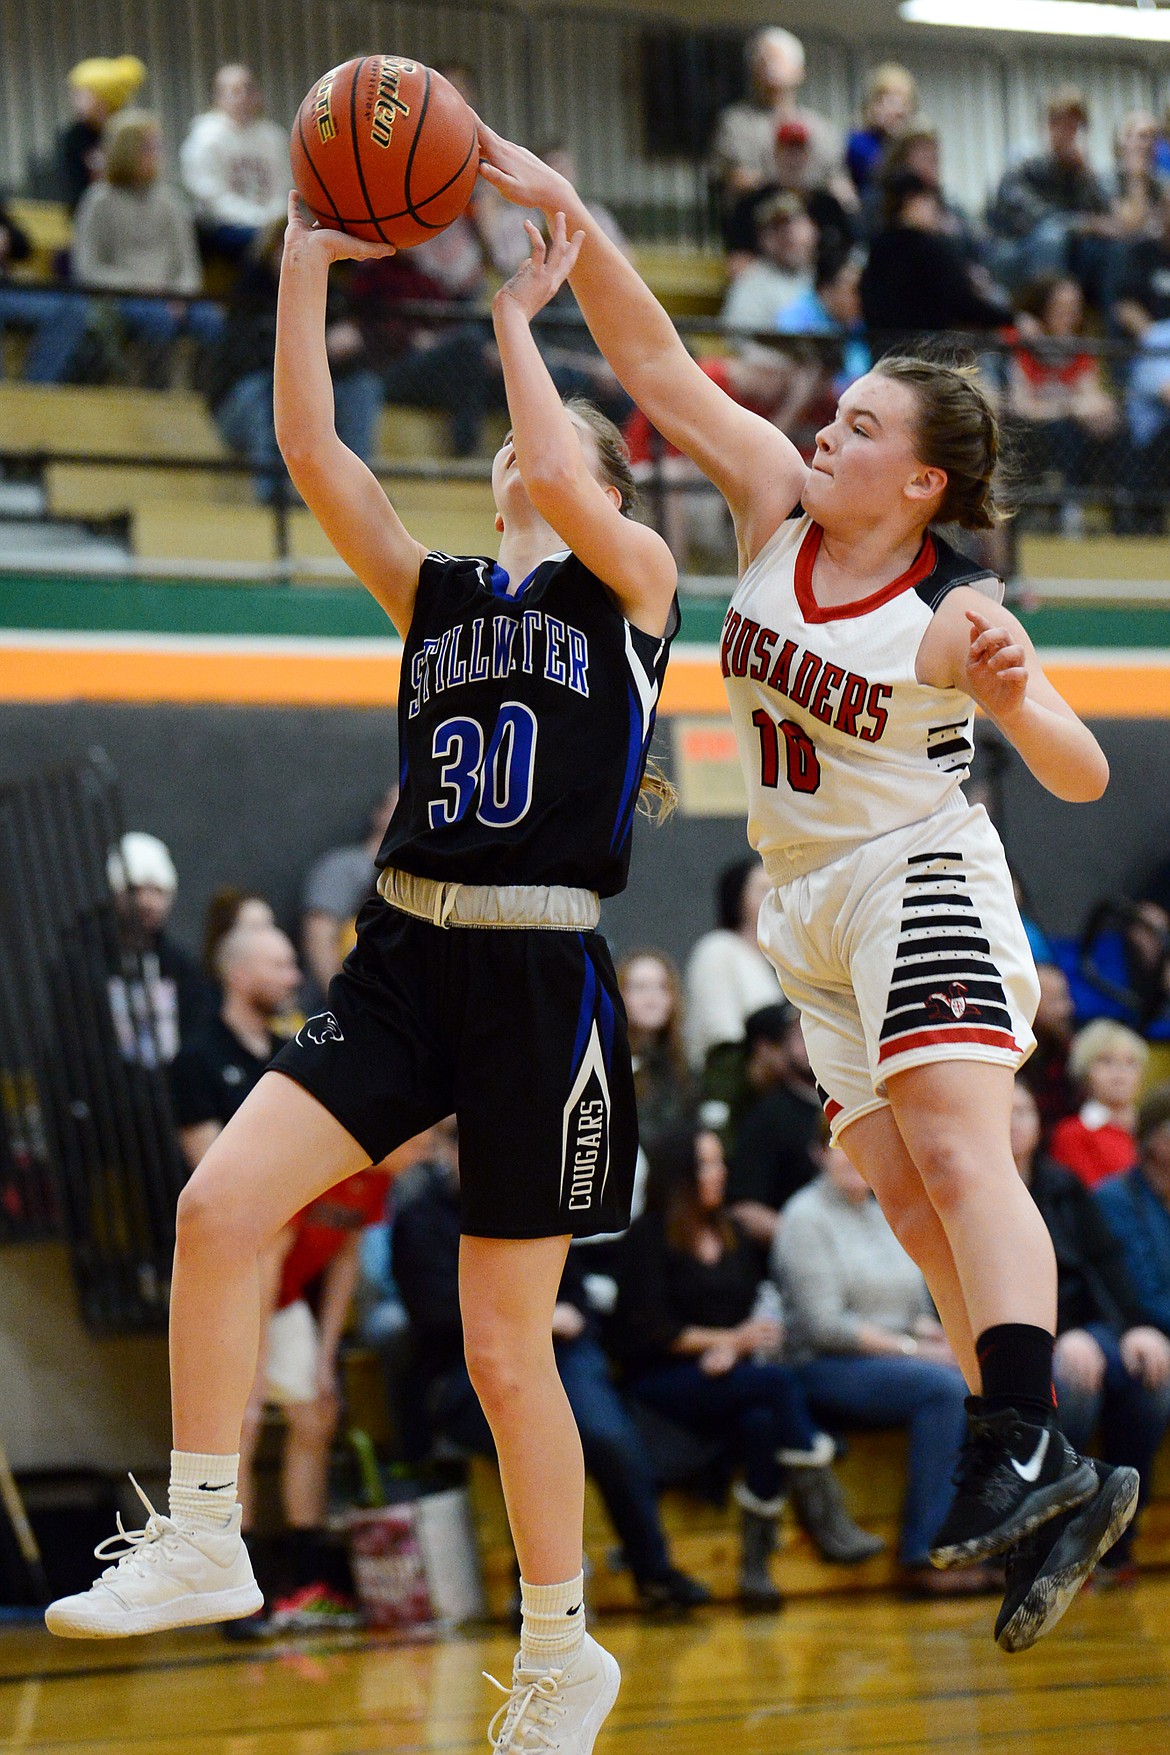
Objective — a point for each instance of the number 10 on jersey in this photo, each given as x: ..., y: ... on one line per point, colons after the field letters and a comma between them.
x: 502, y: 778
x: 801, y: 764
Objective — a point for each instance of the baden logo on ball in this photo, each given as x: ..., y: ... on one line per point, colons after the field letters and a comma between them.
x: 385, y: 148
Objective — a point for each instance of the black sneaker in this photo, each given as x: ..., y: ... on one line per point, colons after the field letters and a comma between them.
x: 674, y: 1593
x: 1014, y: 1473
x: 1045, y: 1572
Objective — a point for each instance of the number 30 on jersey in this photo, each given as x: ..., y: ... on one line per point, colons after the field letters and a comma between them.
x: 801, y: 764
x: 502, y: 778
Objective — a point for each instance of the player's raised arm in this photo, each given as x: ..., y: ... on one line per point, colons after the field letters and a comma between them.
x: 987, y: 653
x: 343, y: 495
x: 758, y: 471
x: 632, y: 560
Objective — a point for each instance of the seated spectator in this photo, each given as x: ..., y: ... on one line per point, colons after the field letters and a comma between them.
x: 1063, y: 417
x: 863, y: 1335
x: 1141, y: 309
x: 223, y: 1057
x: 1136, y: 1206
x: 1107, y: 1063
x: 1051, y: 210
x: 651, y: 989
x: 917, y: 149
x: 235, y: 165
x: 1046, y: 1072
x: 833, y: 308
x: 691, y: 1339
x: 1111, y: 1367
x: 229, y: 907
x: 238, y: 378
x: 781, y: 273
x: 159, y: 1014
x: 1123, y: 966
x: 98, y: 88
x: 425, y: 1259
x: 888, y: 107
x: 728, y: 976
x: 774, y: 1123
x: 1142, y: 293
x: 916, y: 279
x: 428, y: 363
x: 745, y: 137
x: 835, y: 222
x: 135, y: 236
x: 335, y: 887
x: 1137, y: 187
x: 56, y: 319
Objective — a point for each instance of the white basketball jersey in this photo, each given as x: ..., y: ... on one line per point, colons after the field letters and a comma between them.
x: 839, y: 740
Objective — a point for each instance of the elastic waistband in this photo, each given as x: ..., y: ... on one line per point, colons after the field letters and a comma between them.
x: 784, y: 864
x: 533, y: 907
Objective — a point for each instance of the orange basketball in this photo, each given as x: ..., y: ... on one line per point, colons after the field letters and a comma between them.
x: 385, y: 149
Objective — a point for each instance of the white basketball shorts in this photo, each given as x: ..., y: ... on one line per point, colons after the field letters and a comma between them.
x: 293, y: 1349
x: 905, y: 951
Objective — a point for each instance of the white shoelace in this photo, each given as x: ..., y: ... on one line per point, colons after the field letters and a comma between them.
x: 143, y: 1547
x: 530, y: 1711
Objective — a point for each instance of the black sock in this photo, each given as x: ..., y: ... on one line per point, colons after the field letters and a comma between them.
x: 1015, y: 1364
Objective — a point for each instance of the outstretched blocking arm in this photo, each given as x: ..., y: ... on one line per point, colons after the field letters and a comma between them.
x: 758, y: 471
x: 633, y: 561
x: 343, y: 495
x: 987, y: 653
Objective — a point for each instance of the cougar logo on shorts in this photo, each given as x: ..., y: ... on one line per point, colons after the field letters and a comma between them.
x: 585, y: 1150
x: 321, y: 1028
x: 954, y: 1000
x: 944, y: 987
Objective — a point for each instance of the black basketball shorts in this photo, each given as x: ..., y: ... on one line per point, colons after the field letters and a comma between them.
x: 521, y: 1034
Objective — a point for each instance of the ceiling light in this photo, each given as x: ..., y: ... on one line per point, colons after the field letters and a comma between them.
x: 1064, y: 18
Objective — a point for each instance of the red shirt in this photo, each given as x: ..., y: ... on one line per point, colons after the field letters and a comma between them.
x: 323, y: 1228
x: 1092, y: 1153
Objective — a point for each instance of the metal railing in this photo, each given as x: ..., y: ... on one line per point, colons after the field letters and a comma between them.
x: 87, y: 1147
x: 1075, y: 469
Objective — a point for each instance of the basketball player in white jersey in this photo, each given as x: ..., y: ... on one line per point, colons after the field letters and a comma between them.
x: 856, y: 647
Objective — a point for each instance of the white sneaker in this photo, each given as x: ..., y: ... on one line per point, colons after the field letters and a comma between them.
x: 164, y: 1577
x: 556, y: 1712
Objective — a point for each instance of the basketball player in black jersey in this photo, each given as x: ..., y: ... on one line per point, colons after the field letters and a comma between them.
x: 478, y: 984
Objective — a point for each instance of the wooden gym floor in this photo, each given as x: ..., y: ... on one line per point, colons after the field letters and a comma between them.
x: 856, y: 1675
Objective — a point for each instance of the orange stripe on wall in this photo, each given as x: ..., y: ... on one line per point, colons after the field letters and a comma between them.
x: 317, y: 680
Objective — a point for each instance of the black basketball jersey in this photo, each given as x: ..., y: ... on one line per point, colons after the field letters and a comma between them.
x: 524, y: 723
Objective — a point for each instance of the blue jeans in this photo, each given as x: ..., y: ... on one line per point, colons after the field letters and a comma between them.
x: 247, y: 426
x: 1130, y: 1419
x: 925, y: 1398
x: 155, y: 320
x: 614, y: 1454
x: 58, y: 322
x: 761, y: 1408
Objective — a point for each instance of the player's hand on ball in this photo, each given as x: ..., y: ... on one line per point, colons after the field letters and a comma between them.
x: 336, y: 246
x: 519, y: 175
x: 997, y: 668
x: 539, y: 279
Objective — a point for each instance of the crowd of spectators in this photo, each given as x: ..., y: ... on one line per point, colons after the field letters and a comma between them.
x: 1062, y: 279
x: 759, y: 1309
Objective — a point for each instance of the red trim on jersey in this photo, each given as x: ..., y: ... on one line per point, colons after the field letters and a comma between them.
x: 832, y: 1109
x: 948, y: 1033
x: 923, y: 563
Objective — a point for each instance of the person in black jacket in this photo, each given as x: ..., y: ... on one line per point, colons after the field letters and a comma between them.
x: 701, y: 1347
x: 425, y: 1261
x: 239, y: 373
x: 1111, y: 1364
x: 917, y: 279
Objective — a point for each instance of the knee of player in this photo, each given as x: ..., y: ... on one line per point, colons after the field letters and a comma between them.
x: 213, y: 1216
x: 950, y: 1169
x: 499, y: 1364
x: 313, y: 1423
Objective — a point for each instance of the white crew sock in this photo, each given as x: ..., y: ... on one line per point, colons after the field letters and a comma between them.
x: 552, y: 1623
x: 203, y: 1489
